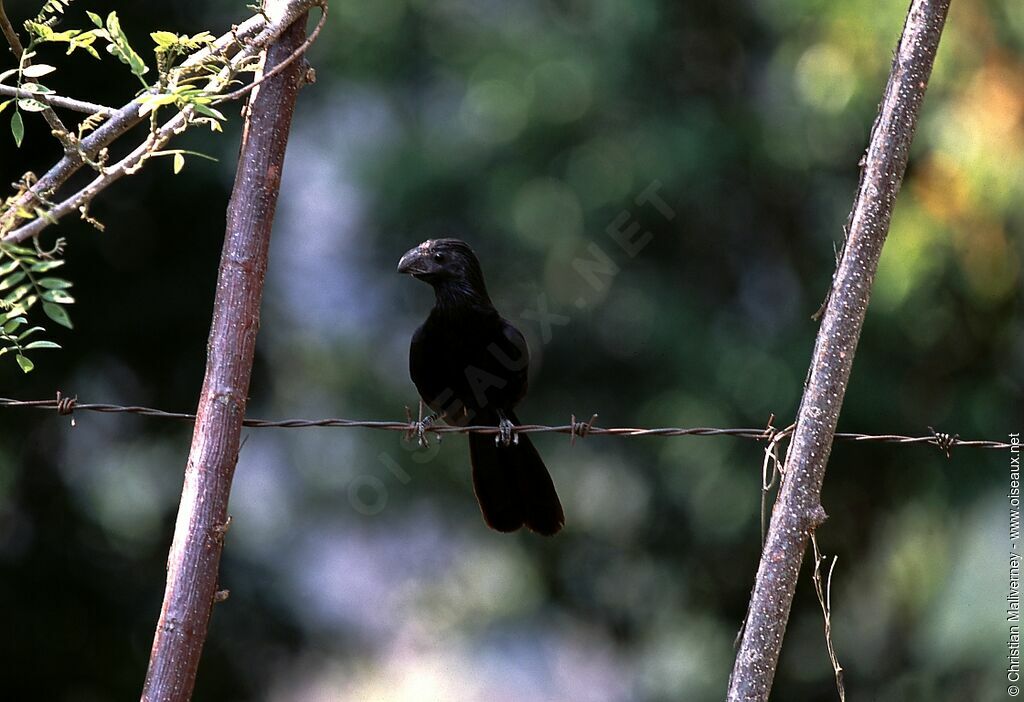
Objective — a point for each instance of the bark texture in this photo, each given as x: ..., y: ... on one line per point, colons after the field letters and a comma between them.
x: 194, y: 559
x: 798, y: 509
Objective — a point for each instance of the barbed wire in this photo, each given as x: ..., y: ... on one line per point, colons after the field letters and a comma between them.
x: 421, y: 427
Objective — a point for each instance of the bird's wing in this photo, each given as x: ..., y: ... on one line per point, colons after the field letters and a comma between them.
x: 515, y: 358
x: 424, y: 367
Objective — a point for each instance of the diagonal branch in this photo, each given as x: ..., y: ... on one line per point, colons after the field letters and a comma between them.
x: 194, y: 560
x: 237, y: 47
x: 59, y: 130
x: 89, y: 108
x: 798, y: 509
x: 9, y: 34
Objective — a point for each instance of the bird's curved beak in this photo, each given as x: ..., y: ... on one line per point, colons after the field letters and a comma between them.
x: 414, y: 262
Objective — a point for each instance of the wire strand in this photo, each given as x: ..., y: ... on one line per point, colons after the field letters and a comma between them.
x: 575, y: 429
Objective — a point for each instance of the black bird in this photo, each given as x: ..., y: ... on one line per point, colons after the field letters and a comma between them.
x: 469, y: 365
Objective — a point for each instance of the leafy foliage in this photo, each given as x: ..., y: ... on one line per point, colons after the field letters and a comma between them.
x: 193, y: 92
x: 23, y: 283
x: 118, y: 45
x: 173, y: 88
x: 51, y: 10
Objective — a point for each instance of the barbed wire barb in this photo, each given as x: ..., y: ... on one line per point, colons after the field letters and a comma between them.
x: 418, y: 428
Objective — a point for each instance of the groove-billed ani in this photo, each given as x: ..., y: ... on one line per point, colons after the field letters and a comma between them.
x: 469, y: 365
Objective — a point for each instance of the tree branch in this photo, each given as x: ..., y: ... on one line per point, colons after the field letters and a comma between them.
x: 237, y: 46
x: 193, y: 563
x: 59, y: 130
x: 798, y: 509
x: 9, y: 34
x: 89, y: 108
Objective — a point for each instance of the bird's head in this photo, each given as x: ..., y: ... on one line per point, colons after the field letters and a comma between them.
x: 443, y: 262
x: 451, y: 267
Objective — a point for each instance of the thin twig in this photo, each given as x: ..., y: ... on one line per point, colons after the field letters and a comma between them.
x: 798, y: 510
x: 121, y: 122
x: 824, y: 593
x: 574, y: 429
x: 64, y: 103
x: 771, y: 468
x: 248, y: 32
x: 9, y: 33
x: 237, y: 46
x: 56, y: 125
x: 243, y: 91
x: 129, y: 164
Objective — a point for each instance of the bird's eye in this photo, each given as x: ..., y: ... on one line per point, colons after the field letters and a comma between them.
x: 438, y: 256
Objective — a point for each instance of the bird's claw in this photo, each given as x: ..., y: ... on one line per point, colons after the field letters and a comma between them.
x: 506, y: 433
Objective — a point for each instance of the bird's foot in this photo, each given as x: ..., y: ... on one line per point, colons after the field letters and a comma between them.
x: 506, y: 432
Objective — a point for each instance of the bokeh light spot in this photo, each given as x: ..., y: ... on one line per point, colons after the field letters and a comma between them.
x: 547, y: 209
x: 494, y: 111
x: 825, y: 78
x: 561, y: 90
x: 601, y: 171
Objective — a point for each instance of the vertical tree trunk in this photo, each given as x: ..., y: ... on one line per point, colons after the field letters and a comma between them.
x: 194, y: 559
x: 798, y: 509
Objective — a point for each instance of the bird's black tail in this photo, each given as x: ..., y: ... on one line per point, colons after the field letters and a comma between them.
x: 513, y: 486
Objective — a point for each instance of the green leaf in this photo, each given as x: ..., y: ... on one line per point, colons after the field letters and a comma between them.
x: 120, y: 47
x: 96, y: 19
x: 58, y: 296
x: 38, y: 30
x: 164, y: 39
x: 82, y: 40
x: 57, y: 314
x: 17, y: 128
x: 87, y: 47
x: 17, y: 294
x: 201, y: 39
x: 12, y: 280
x: 30, y: 105
x: 179, y: 163
x: 11, y: 314
x: 29, y: 332
x: 26, y: 365
x: 13, y: 324
x: 14, y: 312
x: 55, y: 6
x: 43, y: 266
x: 36, y: 88
x: 151, y: 102
x: 42, y: 345
x: 5, y: 103
x: 209, y: 111
x: 54, y: 283
x: 6, y: 268
x: 38, y: 70
x: 19, y: 250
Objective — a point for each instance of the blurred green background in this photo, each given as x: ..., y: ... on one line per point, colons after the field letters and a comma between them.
x: 358, y: 565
